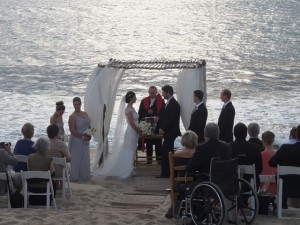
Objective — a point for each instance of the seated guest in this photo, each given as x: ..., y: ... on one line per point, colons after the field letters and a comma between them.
x: 250, y: 150
x: 288, y: 155
x: 189, y: 141
x: 57, y: 148
x: 40, y: 161
x: 211, y: 148
x: 200, y: 161
x: 253, y: 131
x: 292, y: 136
x: 24, y: 146
x: 7, y: 158
x: 268, y: 140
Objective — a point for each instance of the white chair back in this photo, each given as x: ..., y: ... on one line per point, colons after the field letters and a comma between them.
x: 41, y: 175
x: 64, y: 178
x: 249, y: 170
x: 284, y: 170
x: 265, y: 181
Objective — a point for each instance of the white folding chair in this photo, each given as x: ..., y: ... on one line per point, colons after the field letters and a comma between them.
x: 285, y: 170
x: 40, y: 175
x: 266, y: 179
x: 22, y: 158
x: 61, y: 164
x: 4, y: 180
x: 248, y: 170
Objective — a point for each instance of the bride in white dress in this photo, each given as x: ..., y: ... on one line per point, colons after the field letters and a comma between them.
x: 120, y: 163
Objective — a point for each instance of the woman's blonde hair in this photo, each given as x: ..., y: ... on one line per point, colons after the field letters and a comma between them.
x: 189, y: 139
x: 27, y: 130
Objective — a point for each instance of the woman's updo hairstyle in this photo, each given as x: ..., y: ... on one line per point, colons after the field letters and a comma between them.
x: 76, y: 99
x: 60, y: 106
x: 129, y: 96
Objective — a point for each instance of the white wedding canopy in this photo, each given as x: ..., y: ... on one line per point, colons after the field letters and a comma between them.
x: 101, y: 91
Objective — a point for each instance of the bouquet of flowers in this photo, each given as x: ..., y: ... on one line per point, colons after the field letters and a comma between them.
x: 145, y: 128
x: 90, y: 131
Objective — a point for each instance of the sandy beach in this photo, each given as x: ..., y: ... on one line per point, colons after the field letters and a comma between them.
x: 139, y: 200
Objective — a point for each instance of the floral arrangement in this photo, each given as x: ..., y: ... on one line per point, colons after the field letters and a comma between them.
x: 90, y: 131
x: 145, y: 127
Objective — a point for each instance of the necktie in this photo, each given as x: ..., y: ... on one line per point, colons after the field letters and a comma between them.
x: 195, y: 108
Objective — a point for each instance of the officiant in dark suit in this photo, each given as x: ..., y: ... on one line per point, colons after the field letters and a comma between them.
x: 199, y: 116
x: 226, y: 118
x: 151, y: 106
x: 169, y: 127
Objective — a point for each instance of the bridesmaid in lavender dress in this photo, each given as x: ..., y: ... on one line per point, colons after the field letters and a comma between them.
x: 79, y: 143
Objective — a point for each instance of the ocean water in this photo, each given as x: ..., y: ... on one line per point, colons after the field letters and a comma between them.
x: 50, y: 48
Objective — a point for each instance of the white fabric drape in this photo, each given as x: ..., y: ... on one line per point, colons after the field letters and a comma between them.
x: 189, y: 80
x: 99, y: 101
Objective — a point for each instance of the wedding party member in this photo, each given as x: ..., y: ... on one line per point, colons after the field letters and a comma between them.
x: 169, y: 128
x: 288, y: 155
x: 268, y: 138
x: 120, y: 163
x: 226, y: 118
x: 6, y: 158
x: 57, y: 119
x: 151, y: 106
x: 40, y: 161
x: 24, y: 146
x: 199, y: 116
x: 251, y: 152
x: 253, y: 131
x: 79, y: 143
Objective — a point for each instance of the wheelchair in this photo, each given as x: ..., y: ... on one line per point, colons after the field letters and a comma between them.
x: 224, y: 195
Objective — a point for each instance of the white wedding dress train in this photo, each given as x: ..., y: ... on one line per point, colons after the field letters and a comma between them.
x: 120, y: 163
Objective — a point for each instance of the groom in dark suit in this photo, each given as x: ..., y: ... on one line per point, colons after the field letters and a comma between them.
x: 226, y: 118
x: 199, y: 116
x: 169, y: 128
x: 151, y: 106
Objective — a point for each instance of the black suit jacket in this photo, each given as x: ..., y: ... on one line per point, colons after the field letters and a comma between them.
x: 288, y: 155
x: 198, y: 121
x: 258, y: 142
x: 252, y: 155
x: 205, y: 152
x: 225, y: 123
x: 170, y: 118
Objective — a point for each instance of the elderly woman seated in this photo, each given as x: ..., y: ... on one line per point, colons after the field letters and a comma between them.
x: 40, y: 161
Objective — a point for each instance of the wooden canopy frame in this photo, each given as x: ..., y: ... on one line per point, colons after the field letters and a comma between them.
x: 154, y: 64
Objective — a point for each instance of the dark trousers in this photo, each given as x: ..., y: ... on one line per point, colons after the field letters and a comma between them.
x: 149, y: 148
x: 168, y: 146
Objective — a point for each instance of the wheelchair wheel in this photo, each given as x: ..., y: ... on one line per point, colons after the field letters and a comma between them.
x: 245, y: 204
x: 207, y: 204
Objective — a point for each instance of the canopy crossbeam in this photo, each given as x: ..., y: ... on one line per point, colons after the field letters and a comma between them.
x: 154, y: 64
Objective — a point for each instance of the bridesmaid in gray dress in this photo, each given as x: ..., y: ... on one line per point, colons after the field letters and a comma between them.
x: 57, y: 119
x: 79, y: 143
